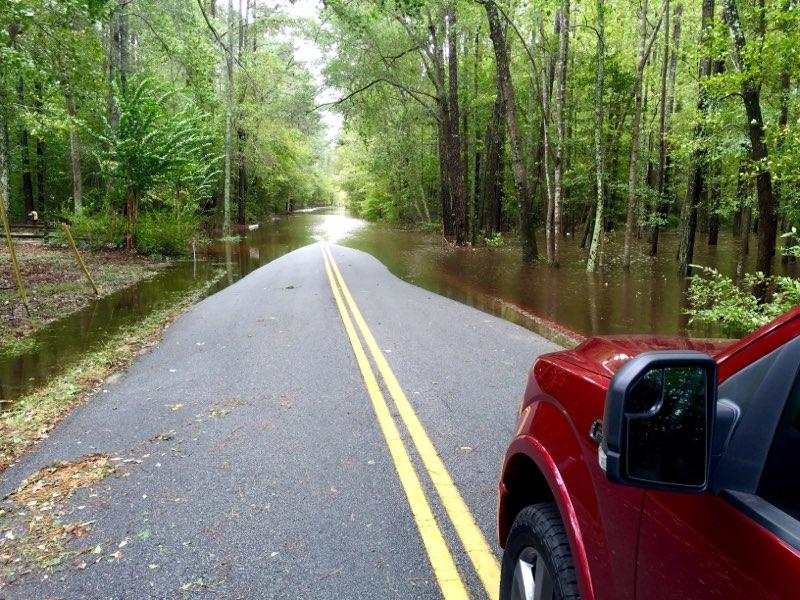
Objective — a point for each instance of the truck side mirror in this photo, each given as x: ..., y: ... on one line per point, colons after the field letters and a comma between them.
x: 658, y: 422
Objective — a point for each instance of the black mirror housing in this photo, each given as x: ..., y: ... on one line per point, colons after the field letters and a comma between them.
x: 658, y: 422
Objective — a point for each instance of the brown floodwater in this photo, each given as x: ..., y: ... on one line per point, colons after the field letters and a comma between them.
x: 648, y: 299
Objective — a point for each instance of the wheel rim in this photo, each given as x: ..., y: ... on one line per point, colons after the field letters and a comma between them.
x: 532, y: 578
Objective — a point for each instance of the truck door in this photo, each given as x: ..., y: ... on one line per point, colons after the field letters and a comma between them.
x: 742, y: 539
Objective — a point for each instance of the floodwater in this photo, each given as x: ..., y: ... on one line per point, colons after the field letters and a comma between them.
x: 648, y: 299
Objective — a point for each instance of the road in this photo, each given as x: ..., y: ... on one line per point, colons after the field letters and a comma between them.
x: 320, y: 429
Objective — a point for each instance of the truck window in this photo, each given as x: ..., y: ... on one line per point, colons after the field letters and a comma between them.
x: 780, y: 480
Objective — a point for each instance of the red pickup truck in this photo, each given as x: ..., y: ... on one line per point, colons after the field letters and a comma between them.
x: 654, y: 468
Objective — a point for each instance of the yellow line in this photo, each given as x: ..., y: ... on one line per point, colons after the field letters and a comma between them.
x: 478, y: 549
x: 444, y: 567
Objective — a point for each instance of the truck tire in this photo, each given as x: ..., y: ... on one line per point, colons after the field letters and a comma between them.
x: 538, y: 554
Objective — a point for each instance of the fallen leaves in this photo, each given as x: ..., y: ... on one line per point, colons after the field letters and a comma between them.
x: 37, y: 537
x: 59, y: 481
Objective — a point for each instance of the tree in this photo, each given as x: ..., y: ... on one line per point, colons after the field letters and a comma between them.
x: 558, y: 188
x: 455, y: 156
x: 697, y: 167
x: 751, y: 97
x: 645, y: 45
x: 668, y: 72
x: 595, y: 256
x: 226, y: 222
x: 518, y: 166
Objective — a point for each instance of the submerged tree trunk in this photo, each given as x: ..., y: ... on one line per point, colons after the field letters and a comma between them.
x: 645, y: 44
x: 444, y: 186
x: 457, y: 170
x: 751, y: 96
x: 558, y: 186
x: 669, y: 69
x: 714, y: 195
x: 75, y: 152
x: 241, y: 135
x: 548, y: 76
x: 226, y: 219
x: 599, y: 155
x: 518, y: 166
x: 694, y: 189
x: 241, y: 188
x: 491, y: 191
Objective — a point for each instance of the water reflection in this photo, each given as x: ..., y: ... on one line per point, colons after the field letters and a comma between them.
x: 648, y: 299
x: 335, y: 228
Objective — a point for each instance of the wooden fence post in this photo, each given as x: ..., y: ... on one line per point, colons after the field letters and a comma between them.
x: 14, y: 265
x: 77, y: 254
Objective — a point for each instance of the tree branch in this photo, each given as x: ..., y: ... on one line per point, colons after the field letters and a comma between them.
x: 415, y: 94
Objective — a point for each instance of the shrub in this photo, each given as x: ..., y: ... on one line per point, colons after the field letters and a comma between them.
x: 717, y: 300
x: 496, y: 241
x: 165, y: 234
x: 95, y: 231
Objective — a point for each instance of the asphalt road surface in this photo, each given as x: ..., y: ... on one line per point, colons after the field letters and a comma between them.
x: 320, y: 429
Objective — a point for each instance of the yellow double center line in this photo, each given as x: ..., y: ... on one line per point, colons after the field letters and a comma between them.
x: 475, y: 544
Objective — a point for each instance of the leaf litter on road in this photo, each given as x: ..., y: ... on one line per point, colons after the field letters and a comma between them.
x: 38, y: 537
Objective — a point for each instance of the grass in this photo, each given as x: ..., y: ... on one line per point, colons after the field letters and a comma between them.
x: 30, y: 418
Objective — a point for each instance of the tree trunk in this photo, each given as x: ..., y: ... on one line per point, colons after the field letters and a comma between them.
x: 548, y: 76
x: 599, y: 155
x: 457, y: 170
x: 118, y: 67
x: 645, y: 44
x: 518, y: 167
x: 714, y: 195
x: 558, y: 186
x: 477, y: 217
x: 25, y: 156
x: 491, y: 189
x: 747, y: 222
x: 241, y: 188
x: 5, y: 162
x: 226, y: 221
x: 694, y: 190
x: 241, y: 136
x: 669, y: 69
x: 444, y: 177
x: 75, y: 152
x: 751, y: 96
x: 41, y: 203
x: 132, y: 209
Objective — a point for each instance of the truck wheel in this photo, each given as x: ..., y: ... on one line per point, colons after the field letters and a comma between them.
x: 537, y: 563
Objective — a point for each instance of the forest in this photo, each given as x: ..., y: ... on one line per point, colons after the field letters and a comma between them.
x: 143, y: 122
x: 609, y: 124
x: 578, y: 118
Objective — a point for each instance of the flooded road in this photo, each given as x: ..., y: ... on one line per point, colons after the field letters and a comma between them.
x: 648, y: 299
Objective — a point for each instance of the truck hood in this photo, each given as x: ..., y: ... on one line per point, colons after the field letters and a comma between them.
x: 604, y: 355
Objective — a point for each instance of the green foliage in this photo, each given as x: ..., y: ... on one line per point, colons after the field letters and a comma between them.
x: 719, y: 301
x: 165, y: 234
x: 791, y: 244
x: 156, y: 137
x: 97, y: 231
x: 159, y: 150
x: 496, y: 241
